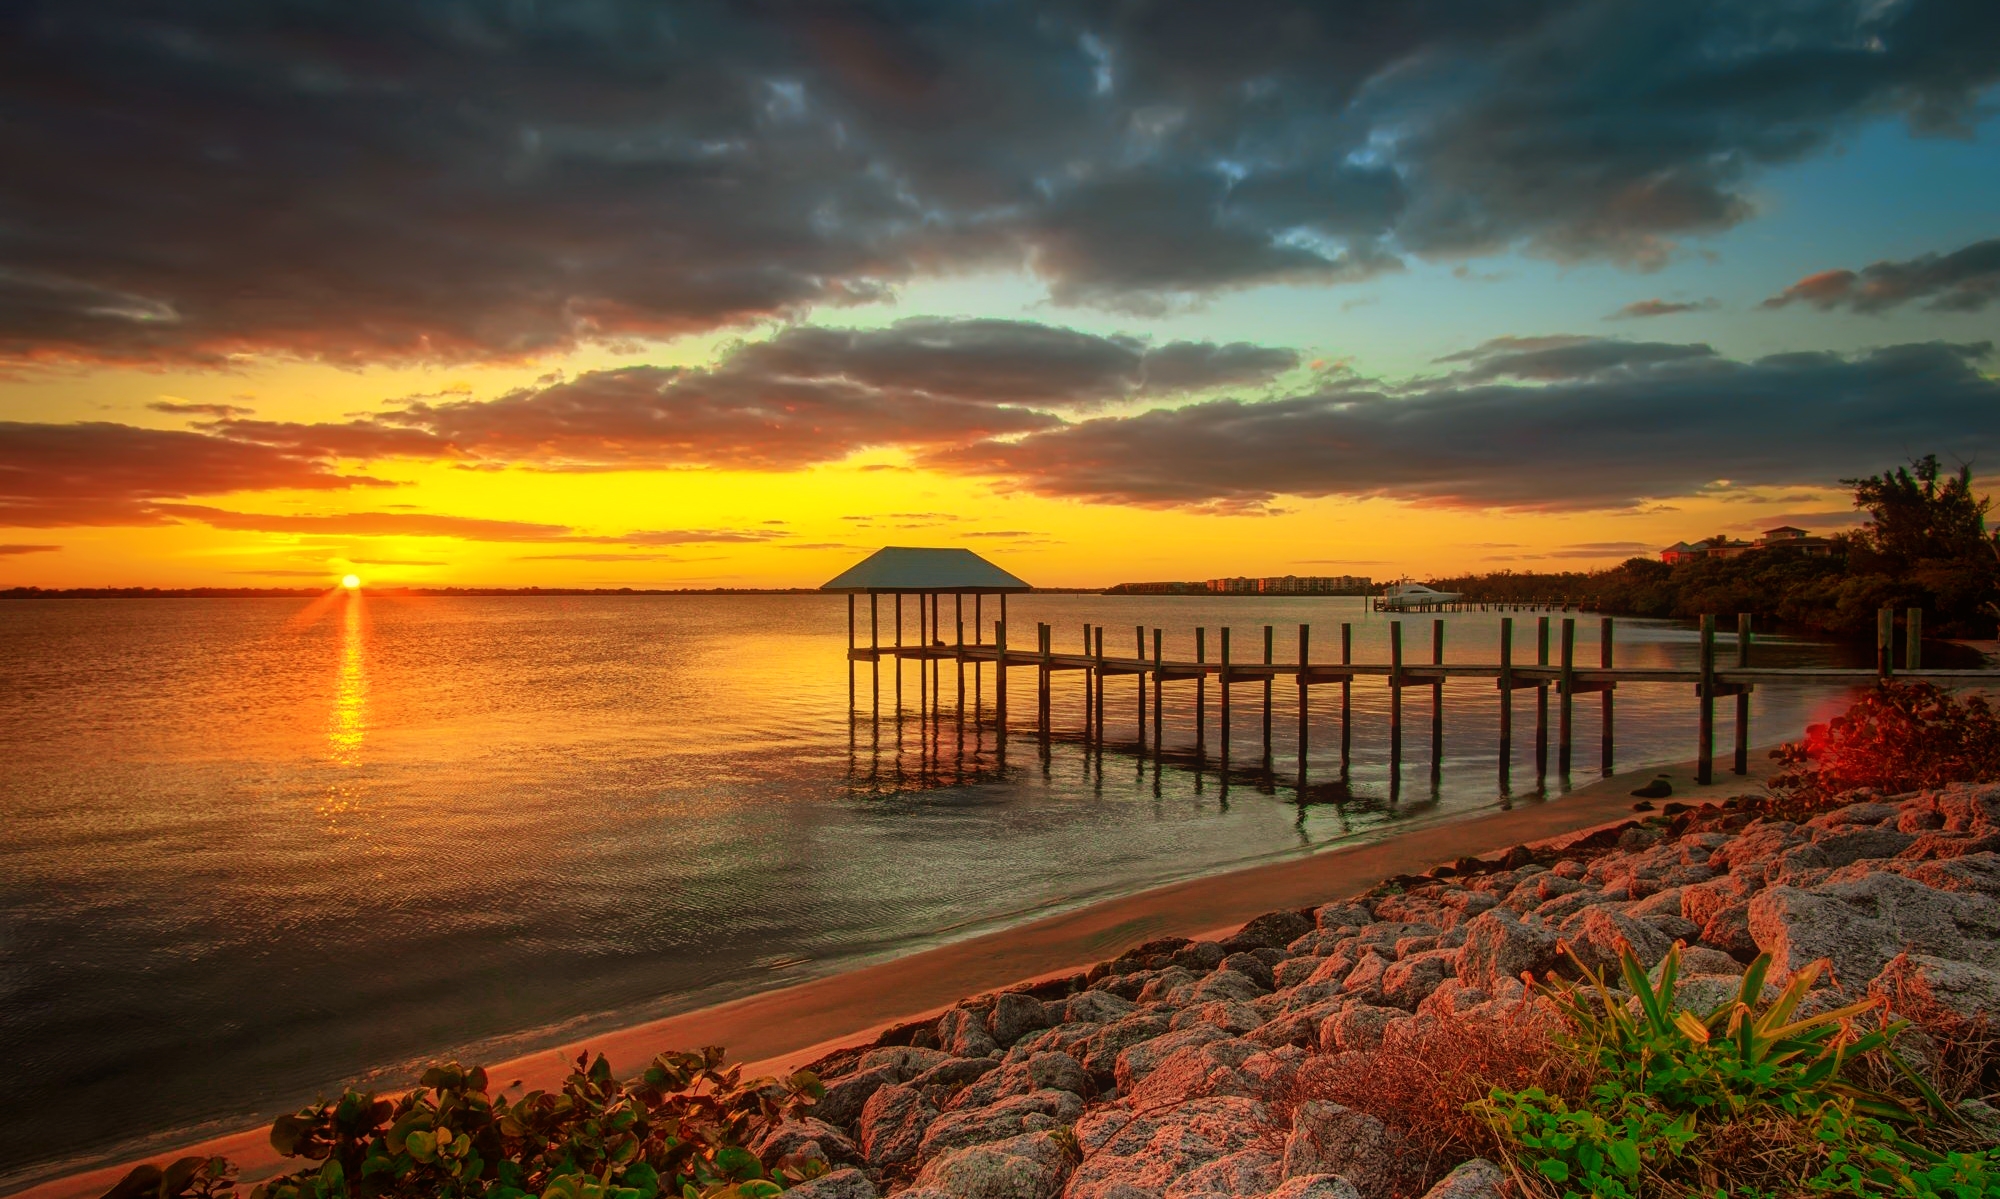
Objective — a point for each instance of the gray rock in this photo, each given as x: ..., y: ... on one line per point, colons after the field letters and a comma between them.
x: 964, y: 1034
x: 1672, y: 927
x: 1499, y: 946
x: 1728, y: 932
x: 1476, y: 1179
x: 1251, y: 966
x: 1251, y: 1171
x: 907, y: 1061
x: 1358, y: 1027
x: 1037, y: 1111
x: 810, y: 1137
x: 843, y: 1099
x: 1228, y: 1015
x: 1969, y: 990
x: 1850, y: 845
x: 1131, y: 1155
x: 1327, y: 1138
x: 1598, y: 935
x: 1200, y: 956
x: 1274, y: 930
x: 1014, y: 1014
x: 1332, y: 917
x: 1195, y: 1072
x: 1315, y: 1186
x: 893, y: 1123
x: 956, y: 1072
x: 1293, y: 971
x: 1096, y: 1007
x: 1408, y: 982
x: 1030, y: 1166
x: 1227, y: 984
x: 1043, y: 1071
x: 1864, y: 923
x: 1100, y: 1053
x: 1063, y: 1038
x: 1137, y: 1061
x: 841, y: 1184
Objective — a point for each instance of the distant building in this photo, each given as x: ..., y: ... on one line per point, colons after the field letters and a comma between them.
x: 1785, y: 537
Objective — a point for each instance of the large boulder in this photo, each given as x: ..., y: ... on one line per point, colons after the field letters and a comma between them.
x: 842, y: 1102
x: 1096, y: 1007
x: 1272, y: 930
x: 807, y: 1137
x: 1195, y: 1071
x: 1037, y: 1111
x: 1328, y: 1138
x: 1014, y: 1014
x: 1598, y: 936
x: 1864, y: 923
x: 1030, y: 1166
x: 1139, y: 1060
x: 1315, y: 1186
x: 1476, y: 1179
x: 1357, y: 1027
x: 1130, y: 1155
x: 1407, y: 982
x: 1043, y: 1071
x: 1499, y: 945
x: 1251, y: 1171
x: 1100, y: 1053
x: 964, y: 1033
x: 893, y: 1123
x: 840, y: 1184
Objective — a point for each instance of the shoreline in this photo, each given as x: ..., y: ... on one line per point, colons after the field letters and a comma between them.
x: 784, y: 1029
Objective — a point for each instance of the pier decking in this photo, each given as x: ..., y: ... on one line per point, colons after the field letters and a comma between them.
x: 1724, y: 671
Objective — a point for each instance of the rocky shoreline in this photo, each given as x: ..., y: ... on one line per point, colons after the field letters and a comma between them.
x: 1171, y: 1070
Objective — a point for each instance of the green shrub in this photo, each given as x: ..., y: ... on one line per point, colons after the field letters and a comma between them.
x: 682, y: 1129
x: 1747, y: 1099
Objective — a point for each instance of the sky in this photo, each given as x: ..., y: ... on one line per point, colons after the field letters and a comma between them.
x: 613, y: 294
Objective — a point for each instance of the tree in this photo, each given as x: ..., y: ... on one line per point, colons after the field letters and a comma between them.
x: 1927, y: 539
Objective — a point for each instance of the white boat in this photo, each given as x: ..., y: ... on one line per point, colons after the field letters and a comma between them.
x: 1414, y: 597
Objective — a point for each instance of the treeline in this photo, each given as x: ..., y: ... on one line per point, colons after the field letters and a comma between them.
x: 1926, y: 546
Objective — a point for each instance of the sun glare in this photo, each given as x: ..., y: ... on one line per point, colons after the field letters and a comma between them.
x: 351, y: 582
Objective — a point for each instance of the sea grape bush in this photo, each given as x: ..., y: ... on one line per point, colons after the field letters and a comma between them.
x: 684, y: 1128
x: 1746, y: 1099
x: 1897, y: 737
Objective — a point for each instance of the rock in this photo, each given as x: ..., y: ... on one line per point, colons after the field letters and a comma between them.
x: 841, y: 1184
x: 1030, y: 1166
x: 1200, y: 957
x: 1229, y: 1016
x: 1365, y: 980
x: 1327, y: 1138
x: 843, y: 1099
x: 1096, y: 1007
x: 1850, y: 845
x: 1195, y: 1072
x: 1659, y: 788
x: 1250, y: 1171
x: 1139, y: 1060
x: 1408, y: 982
x: 1969, y: 990
x: 1332, y: 917
x: 893, y: 1123
x: 1101, y: 1052
x: 1135, y: 1156
x: 1862, y: 924
x: 1063, y: 1038
x: 1673, y: 928
x: 1315, y: 1186
x: 809, y: 1137
x: 1165, y: 981
x: 1856, y: 814
x: 953, y: 1074
x: 1728, y: 931
x: 1255, y: 968
x: 907, y: 1061
x: 1358, y: 1027
x: 1699, y: 959
x: 1599, y: 935
x: 1499, y: 945
x: 1014, y: 1014
x: 1043, y: 1071
x: 1037, y: 1111
x: 1476, y: 1179
x: 1272, y: 930
x: 1293, y: 971
x: 964, y: 1034
x: 1227, y: 984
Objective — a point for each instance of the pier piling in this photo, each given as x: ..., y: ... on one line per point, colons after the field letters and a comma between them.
x: 1268, y: 681
x: 1566, y: 697
x: 1610, y: 693
x: 1346, y: 697
x: 1222, y: 681
x: 1305, y: 657
x: 1541, y: 701
x: 1201, y: 693
x: 1395, y: 704
x: 1506, y: 703
x: 1437, y: 702
x: 1704, y: 772
x: 1741, y: 763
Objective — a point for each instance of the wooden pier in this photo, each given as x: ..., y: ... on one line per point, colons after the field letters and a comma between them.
x: 1723, y: 670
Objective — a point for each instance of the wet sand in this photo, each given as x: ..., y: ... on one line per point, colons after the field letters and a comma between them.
x: 787, y: 1028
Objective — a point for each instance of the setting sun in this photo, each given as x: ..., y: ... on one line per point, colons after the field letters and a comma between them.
x: 351, y: 582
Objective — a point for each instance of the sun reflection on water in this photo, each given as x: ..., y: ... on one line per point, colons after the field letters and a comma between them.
x: 347, y: 724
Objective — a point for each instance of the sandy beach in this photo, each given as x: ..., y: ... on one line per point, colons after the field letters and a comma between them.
x: 786, y: 1028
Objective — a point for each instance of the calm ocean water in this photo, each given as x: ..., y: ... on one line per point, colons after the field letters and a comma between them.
x: 253, y: 849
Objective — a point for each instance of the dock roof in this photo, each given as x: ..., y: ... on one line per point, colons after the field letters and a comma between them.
x: 919, y: 569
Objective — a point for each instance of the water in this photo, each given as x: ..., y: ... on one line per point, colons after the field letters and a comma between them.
x: 253, y: 849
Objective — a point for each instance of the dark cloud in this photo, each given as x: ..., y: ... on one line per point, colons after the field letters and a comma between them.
x: 10, y: 550
x: 1619, y: 423
x: 372, y: 524
x: 806, y: 395
x: 1965, y: 280
x: 1640, y: 309
x: 1548, y: 359
x: 94, y: 472
x: 181, y: 408
x: 375, y: 180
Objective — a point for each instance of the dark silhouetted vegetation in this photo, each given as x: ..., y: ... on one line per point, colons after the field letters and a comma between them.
x: 1896, y: 738
x: 1926, y: 546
